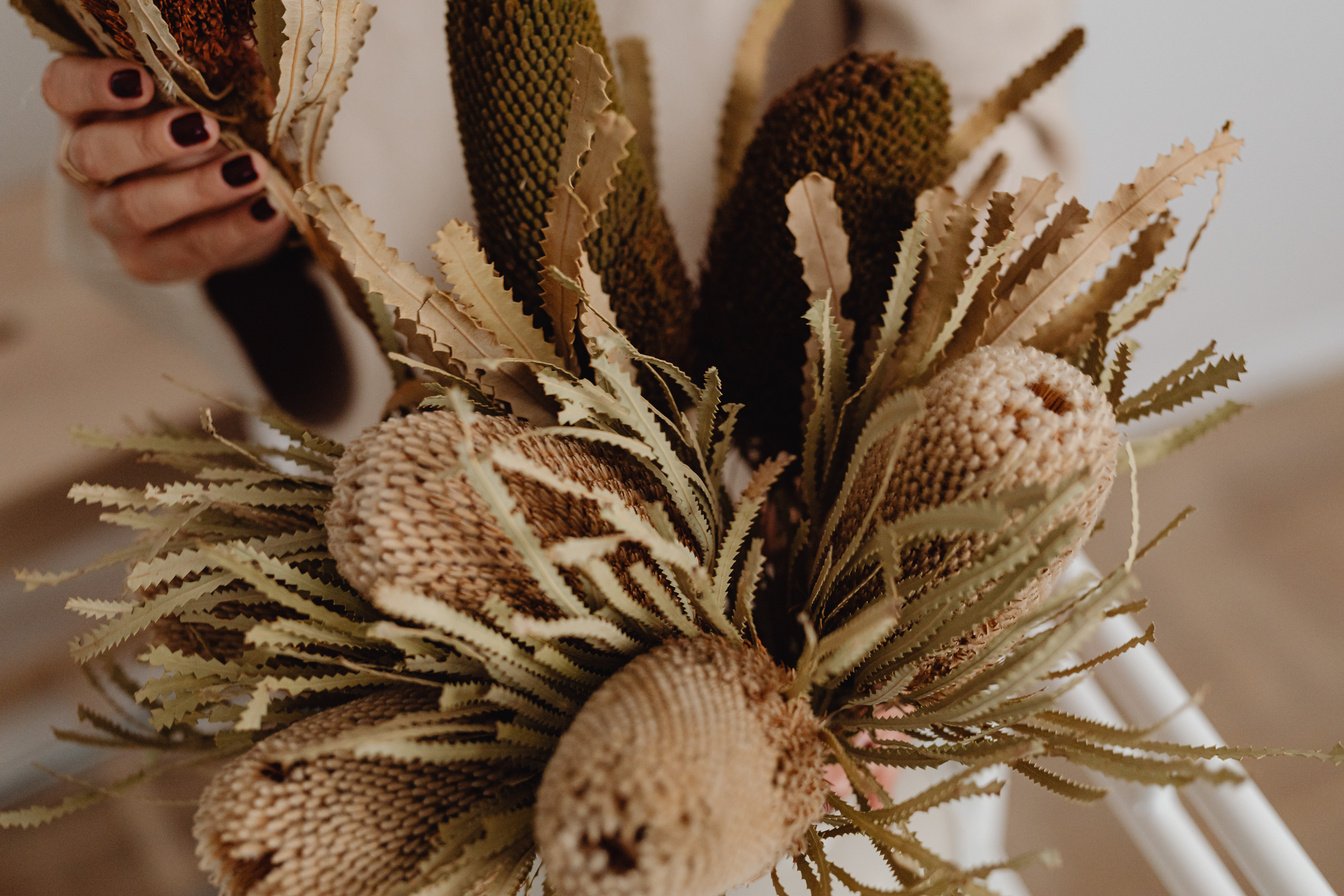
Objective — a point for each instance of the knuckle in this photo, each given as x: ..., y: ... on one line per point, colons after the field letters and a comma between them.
x: 128, y: 210
x: 50, y: 85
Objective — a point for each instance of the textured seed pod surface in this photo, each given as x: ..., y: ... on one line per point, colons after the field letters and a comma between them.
x: 512, y: 85
x: 877, y: 126
x: 686, y: 772
x: 271, y: 825
x: 1000, y: 418
x: 402, y: 514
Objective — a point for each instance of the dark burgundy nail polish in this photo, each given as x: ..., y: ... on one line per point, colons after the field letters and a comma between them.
x: 189, y: 129
x: 126, y: 84
x: 239, y: 172
x: 262, y: 210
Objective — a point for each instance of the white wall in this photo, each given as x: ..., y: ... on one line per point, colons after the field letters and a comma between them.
x: 1155, y: 71
x: 1265, y: 281
x: 26, y: 128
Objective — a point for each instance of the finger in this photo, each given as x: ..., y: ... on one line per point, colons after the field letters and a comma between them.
x: 76, y: 86
x: 237, y: 237
x: 141, y: 206
x: 106, y: 151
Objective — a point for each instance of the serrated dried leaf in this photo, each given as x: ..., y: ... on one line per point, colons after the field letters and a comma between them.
x: 144, y: 17
x: 302, y: 19
x: 268, y: 30
x: 1058, y: 784
x: 878, y: 352
x: 632, y: 58
x: 1066, y: 222
x: 1070, y: 329
x: 737, y: 123
x: 1150, y: 450
x: 1146, y: 301
x: 950, y: 236
x: 1190, y: 381
x: 980, y: 191
x: 819, y: 237
x: 1050, y: 287
x: 344, y: 25
x: 482, y: 295
x: 972, y: 132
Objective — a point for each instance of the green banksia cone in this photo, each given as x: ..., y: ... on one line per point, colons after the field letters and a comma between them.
x: 512, y: 84
x: 271, y: 824
x: 403, y: 515
x: 877, y: 126
x: 998, y: 419
x: 685, y: 773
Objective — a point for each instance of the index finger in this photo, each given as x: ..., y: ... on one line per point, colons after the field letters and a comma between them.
x: 76, y: 86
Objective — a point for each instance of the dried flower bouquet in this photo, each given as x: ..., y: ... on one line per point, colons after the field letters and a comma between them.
x: 568, y: 602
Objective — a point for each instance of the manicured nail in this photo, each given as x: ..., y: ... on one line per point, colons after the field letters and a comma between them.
x: 239, y: 172
x: 126, y: 84
x: 189, y: 129
x: 262, y: 210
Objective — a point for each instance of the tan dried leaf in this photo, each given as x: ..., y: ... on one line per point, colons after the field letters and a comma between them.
x: 1050, y: 287
x: 950, y: 236
x: 738, y: 121
x: 820, y: 239
x: 632, y: 58
x: 483, y: 296
x: 1070, y: 329
x: 972, y: 132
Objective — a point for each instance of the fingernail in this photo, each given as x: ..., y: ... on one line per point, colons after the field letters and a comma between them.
x: 262, y: 210
x: 126, y: 84
x: 239, y: 172
x: 189, y: 129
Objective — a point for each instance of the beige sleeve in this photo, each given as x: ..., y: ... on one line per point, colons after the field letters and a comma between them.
x: 979, y: 45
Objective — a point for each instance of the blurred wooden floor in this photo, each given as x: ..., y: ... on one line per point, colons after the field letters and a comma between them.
x: 1248, y: 597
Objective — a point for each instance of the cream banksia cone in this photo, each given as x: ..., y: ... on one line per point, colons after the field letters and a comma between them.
x: 877, y: 126
x: 512, y: 83
x: 403, y: 515
x: 1001, y: 418
x: 271, y: 824
x: 687, y: 772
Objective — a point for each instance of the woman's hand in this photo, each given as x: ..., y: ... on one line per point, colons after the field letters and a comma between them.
x: 169, y: 200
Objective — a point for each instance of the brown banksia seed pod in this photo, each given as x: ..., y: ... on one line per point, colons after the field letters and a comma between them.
x: 877, y: 126
x: 998, y: 419
x: 270, y: 824
x: 687, y: 772
x: 402, y: 514
x: 512, y: 85
x: 214, y: 35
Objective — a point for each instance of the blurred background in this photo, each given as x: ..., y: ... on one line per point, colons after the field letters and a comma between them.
x: 1247, y: 598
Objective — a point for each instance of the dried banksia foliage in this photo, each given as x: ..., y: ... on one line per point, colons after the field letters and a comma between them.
x: 998, y: 420
x: 301, y: 813
x: 404, y: 514
x: 513, y: 85
x: 685, y: 773
x: 570, y: 625
x: 876, y: 126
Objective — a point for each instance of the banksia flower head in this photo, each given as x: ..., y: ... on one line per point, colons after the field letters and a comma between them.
x: 403, y: 514
x: 875, y: 125
x: 513, y: 90
x: 686, y: 772
x: 297, y: 815
x: 999, y: 419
